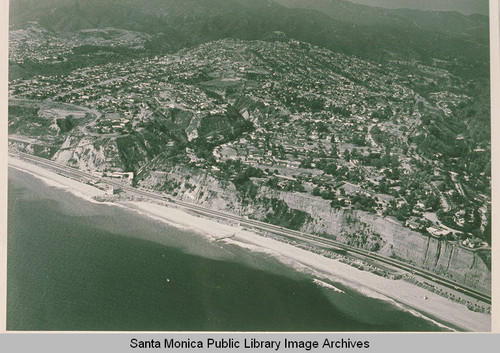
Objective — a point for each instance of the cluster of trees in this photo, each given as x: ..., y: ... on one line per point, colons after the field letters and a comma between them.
x: 237, y: 172
x: 228, y: 126
x: 363, y: 202
x: 241, y: 178
x: 471, y: 218
x: 440, y: 136
x: 306, y: 162
x: 383, y: 114
x: 359, y: 201
x: 246, y: 173
x: 358, y: 139
x: 338, y: 203
x: 66, y: 124
x: 18, y: 116
x: 288, y: 185
x: 25, y: 120
x: 402, y: 212
x: 284, y: 216
x: 326, y: 194
x: 306, y: 104
x: 331, y: 168
x: 346, y: 113
x: 381, y: 137
x: 378, y: 160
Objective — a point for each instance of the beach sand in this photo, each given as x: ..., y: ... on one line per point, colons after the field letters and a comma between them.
x: 417, y: 300
x: 53, y: 179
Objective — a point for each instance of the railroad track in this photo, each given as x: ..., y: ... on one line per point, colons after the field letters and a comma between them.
x: 78, y: 174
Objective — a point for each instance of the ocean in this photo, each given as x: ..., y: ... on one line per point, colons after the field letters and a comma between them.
x: 80, y: 265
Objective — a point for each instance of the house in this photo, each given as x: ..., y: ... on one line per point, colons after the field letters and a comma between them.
x: 437, y: 232
x: 415, y: 223
x: 120, y: 175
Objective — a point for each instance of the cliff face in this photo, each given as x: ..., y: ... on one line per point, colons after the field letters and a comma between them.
x: 89, y: 154
x: 192, y: 186
x: 118, y: 152
x: 442, y: 257
x: 357, y: 228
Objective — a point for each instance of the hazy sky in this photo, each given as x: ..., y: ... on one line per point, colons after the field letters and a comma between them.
x: 465, y: 6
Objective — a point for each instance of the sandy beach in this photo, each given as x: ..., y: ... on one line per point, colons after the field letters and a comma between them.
x: 415, y: 299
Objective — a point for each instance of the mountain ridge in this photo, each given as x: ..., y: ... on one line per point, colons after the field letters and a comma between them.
x: 179, y: 24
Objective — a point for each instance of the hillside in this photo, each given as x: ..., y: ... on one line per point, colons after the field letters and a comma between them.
x: 473, y: 26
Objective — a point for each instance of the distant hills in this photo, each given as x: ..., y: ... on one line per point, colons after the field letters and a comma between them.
x: 467, y: 7
x: 451, y: 22
x: 341, y: 26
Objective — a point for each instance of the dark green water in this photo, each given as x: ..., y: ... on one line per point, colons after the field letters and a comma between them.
x: 77, y: 265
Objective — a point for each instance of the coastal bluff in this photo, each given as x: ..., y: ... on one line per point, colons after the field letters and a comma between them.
x: 357, y: 228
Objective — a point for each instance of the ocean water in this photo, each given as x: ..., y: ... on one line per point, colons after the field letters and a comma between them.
x: 78, y: 265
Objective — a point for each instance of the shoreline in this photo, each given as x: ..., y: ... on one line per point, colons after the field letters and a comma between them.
x: 406, y: 296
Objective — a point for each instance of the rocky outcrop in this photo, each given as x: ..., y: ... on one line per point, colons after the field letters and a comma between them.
x: 89, y: 154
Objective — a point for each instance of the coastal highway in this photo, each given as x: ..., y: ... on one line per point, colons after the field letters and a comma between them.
x: 86, y: 177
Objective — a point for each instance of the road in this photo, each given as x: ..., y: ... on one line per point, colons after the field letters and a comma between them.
x: 84, y: 176
x: 47, y: 103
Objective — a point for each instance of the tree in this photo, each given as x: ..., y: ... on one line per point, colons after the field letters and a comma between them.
x: 306, y: 162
